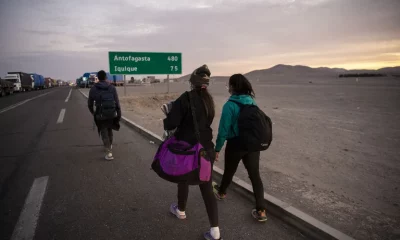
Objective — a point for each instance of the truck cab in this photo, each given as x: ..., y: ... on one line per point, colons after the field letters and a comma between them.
x: 16, y: 80
x: 91, y: 80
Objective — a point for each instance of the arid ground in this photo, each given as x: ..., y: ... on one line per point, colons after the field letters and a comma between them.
x: 336, y: 148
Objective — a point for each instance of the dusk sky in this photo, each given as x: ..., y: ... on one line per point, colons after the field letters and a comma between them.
x: 64, y: 39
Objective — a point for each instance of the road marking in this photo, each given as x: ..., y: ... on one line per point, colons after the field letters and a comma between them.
x: 347, y: 130
x: 61, y: 116
x: 69, y: 95
x: 27, y: 221
x: 23, y: 102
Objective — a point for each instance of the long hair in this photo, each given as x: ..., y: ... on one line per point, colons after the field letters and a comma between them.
x: 208, y: 102
x: 241, y: 85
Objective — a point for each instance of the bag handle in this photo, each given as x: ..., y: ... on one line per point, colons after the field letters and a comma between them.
x: 196, y: 126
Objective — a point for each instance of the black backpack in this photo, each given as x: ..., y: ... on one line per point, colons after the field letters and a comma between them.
x: 255, y: 128
x: 106, y: 109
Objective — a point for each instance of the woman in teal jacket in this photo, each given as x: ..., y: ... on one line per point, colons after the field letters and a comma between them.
x: 241, y: 91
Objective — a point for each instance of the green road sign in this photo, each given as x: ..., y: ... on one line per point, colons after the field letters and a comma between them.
x: 140, y: 63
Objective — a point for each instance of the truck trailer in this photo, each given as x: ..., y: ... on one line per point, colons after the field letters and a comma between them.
x: 117, y: 80
x: 6, y: 88
x: 38, y: 81
x: 22, y: 81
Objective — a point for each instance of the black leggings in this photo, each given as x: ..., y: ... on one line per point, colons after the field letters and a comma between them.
x: 208, y: 198
x: 251, y: 161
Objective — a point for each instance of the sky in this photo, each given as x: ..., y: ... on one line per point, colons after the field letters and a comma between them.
x: 64, y: 39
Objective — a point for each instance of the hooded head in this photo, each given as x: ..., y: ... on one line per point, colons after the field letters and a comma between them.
x: 102, y: 76
x: 200, y: 77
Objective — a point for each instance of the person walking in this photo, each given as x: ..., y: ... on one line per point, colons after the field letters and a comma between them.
x: 180, y: 118
x: 108, y: 111
x: 241, y: 94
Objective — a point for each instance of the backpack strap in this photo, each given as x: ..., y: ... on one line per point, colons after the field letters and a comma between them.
x: 196, y: 126
x: 238, y: 103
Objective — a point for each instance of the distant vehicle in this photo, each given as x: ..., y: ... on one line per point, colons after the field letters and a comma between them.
x: 83, y: 82
x: 91, y: 80
x: 47, y: 83
x: 38, y: 81
x: 6, y: 88
x: 117, y: 80
x: 22, y: 81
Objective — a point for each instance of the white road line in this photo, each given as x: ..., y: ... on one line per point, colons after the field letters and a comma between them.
x: 61, y: 116
x: 347, y: 130
x: 69, y: 95
x: 27, y: 221
x: 23, y: 102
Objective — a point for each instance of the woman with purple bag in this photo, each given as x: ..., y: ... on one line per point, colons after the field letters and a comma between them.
x: 192, y: 115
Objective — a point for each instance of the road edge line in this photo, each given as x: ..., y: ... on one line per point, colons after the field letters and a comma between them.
x: 308, y: 225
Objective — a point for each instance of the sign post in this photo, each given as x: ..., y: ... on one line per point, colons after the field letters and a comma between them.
x: 168, y: 83
x: 125, y: 85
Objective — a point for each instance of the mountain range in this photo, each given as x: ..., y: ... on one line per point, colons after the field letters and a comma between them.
x: 282, y: 70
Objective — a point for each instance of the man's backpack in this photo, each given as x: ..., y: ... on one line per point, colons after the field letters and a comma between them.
x: 255, y: 128
x: 106, y: 109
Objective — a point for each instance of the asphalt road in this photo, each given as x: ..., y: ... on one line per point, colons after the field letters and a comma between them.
x: 90, y: 198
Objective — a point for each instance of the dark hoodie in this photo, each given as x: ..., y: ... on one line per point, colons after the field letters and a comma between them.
x: 94, y: 96
x: 181, y: 118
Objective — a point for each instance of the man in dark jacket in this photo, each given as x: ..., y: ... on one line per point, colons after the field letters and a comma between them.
x: 105, y: 125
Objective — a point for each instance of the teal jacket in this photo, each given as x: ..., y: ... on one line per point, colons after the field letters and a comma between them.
x: 228, y: 124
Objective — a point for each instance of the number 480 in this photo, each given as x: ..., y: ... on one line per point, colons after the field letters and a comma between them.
x: 172, y: 58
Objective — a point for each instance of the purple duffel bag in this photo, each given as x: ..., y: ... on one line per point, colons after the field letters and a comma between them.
x: 180, y: 162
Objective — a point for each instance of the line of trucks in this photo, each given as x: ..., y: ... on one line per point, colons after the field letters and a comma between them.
x: 88, y: 79
x: 21, y: 82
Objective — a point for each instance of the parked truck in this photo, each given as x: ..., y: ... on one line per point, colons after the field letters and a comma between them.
x: 6, y: 88
x: 38, y: 81
x: 53, y: 82
x: 22, y: 81
x: 117, y: 80
x: 48, y: 82
x: 88, y: 79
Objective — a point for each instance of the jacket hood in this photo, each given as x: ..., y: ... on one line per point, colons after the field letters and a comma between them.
x: 102, y: 85
x: 243, y: 99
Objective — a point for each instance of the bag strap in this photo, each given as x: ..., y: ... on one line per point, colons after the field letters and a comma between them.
x: 196, y: 126
x: 238, y: 103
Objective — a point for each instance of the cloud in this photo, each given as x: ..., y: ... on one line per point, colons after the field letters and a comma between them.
x: 231, y: 35
x: 42, y: 32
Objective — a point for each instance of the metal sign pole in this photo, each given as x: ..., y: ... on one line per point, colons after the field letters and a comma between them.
x: 125, y: 85
x: 168, y: 83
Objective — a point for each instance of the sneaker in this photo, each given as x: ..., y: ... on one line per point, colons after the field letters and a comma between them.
x: 218, y: 195
x: 109, y: 156
x: 208, y: 236
x: 174, y: 210
x: 259, y: 215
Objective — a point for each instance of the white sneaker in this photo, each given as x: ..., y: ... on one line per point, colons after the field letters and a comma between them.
x: 174, y: 210
x: 109, y: 156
